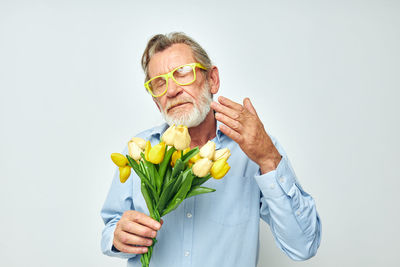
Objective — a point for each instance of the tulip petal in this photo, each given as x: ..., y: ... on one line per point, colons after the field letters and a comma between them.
x: 169, y: 136
x: 202, y: 167
x: 134, y: 150
x: 119, y: 159
x: 219, y: 168
x: 208, y: 150
x: 221, y: 153
x: 139, y: 141
x: 182, y: 138
x: 147, y: 150
x: 156, y: 153
x: 124, y: 173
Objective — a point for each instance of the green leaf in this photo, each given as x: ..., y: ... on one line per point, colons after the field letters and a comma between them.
x: 182, y: 192
x: 179, y: 166
x: 179, y: 181
x: 200, y: 181
x: 147, y: 198
x: 165, y: 195
x: 146, y: 180
x: 197, y: 190
x: 166, y: 161
x: 185, y: 158
x: 167, y: 176
x: 151, y: 171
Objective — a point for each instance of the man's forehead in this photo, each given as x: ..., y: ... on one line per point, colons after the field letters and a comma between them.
x: 170, y: 58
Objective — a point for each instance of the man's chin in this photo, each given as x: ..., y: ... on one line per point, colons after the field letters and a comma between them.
x: 189, y: 119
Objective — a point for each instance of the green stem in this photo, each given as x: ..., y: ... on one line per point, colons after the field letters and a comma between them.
x: 145, y: 259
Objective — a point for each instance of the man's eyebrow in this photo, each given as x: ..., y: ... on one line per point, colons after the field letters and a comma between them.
x: 170, y: 69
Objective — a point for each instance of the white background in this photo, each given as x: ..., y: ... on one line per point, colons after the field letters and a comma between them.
x: 323, y: 76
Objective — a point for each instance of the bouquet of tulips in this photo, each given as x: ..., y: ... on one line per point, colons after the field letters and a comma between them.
x: 170, y: 171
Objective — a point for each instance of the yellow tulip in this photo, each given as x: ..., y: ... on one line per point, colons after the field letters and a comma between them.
x: 182, y: 138
x: 124, y: 173
x: 195, y: 158
x: 169, y: 135
x: 147, y: 150
x: 134, y: 150
x: 208, y: 150
x: 202, y: 167
x: 156, y: 153
x: 177, y: 155
x: 222, y: 153
x: 220, y: 168
x: 119, y: 159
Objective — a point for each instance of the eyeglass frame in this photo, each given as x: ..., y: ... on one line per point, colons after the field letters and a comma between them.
x: 168, y: 75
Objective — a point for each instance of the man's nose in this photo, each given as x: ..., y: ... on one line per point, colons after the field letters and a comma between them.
x: 173, y: 88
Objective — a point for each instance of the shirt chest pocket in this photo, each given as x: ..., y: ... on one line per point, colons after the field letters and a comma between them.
x: 229, y: 205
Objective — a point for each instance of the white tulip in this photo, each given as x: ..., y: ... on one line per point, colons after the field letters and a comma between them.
x: 169, y: 135
x: 134, y: 150
x: 182, y: 138
x: 222, y: 153
x: 208, y: 150
x: 139, y: 141
x: 202, y: 167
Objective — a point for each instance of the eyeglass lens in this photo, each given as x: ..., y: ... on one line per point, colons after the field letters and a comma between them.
x: 182, y: 76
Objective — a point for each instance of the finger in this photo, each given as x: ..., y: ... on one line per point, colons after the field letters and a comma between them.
x: 129, y: 249
x: 235, y: 136
x: 229, y: 103
x: 249, y: 106
x: 145, y: 220
x: 130, y: 239
x: 225, y: 110
x: 138, y: 229
x: 233, y: 124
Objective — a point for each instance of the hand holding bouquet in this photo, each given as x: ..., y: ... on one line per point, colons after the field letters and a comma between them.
x: 170, y: 171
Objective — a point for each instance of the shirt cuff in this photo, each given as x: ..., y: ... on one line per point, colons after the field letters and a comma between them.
x: 278, y: 182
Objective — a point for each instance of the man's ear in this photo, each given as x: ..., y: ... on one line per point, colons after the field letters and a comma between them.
x: 213, y: 78
x: 157, y: 104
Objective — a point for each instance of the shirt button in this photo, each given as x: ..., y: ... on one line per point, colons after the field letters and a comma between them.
x: 282, y: 179
x: 298, y: 213
x: 187, y: 253
x: 272, y: 186
x: 189, y: 215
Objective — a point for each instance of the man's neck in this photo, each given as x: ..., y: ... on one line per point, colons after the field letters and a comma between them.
x: 204, y: 131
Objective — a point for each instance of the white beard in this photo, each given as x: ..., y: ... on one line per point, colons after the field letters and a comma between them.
x: 194, y: 117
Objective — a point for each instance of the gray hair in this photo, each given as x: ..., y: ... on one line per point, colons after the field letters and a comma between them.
x: 160, y: 42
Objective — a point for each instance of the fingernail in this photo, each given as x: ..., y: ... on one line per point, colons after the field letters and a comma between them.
x: 144, y: 250
x: 157, y: 226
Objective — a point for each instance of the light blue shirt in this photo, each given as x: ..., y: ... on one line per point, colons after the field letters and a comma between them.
x: 222, y: 228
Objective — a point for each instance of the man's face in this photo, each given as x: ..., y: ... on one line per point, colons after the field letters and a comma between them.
x: 187, y: 105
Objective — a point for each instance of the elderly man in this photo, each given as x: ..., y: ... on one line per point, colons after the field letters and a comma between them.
x: 221, y: 228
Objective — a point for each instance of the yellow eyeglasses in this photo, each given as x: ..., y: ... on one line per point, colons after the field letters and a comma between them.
x: 182, y: 75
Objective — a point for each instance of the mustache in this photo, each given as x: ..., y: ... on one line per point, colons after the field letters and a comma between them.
x: 176, y: 102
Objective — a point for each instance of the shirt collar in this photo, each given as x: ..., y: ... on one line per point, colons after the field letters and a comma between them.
x: 159, y: 130
x: 219, y: 133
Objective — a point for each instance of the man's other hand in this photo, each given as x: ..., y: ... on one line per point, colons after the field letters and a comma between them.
x: 134, y: 232
x: 242, y: 124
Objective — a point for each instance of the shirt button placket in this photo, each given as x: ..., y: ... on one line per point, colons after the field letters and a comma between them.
x: 188, y: 231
